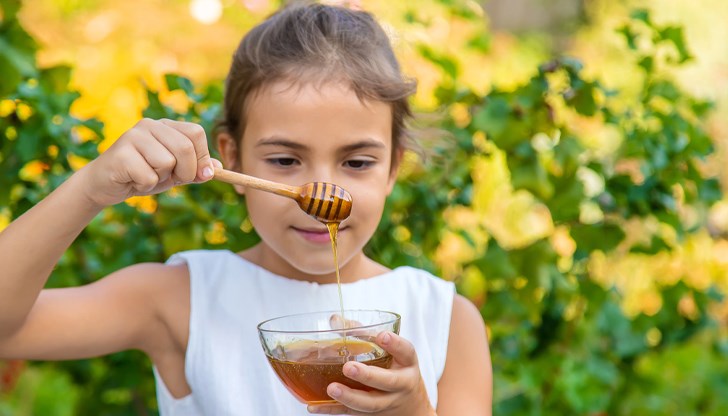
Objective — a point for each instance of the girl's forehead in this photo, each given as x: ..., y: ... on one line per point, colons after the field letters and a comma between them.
x: 287, y: 88
x: 319, y: 111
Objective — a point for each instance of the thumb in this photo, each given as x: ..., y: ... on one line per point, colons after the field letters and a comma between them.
x: 205, y: 166
x: 401, y: 350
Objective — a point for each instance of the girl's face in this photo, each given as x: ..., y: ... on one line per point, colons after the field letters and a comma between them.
x: 297, y: 134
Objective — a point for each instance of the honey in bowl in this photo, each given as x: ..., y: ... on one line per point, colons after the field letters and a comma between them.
x: 307, y: 367
x: 308, y: 351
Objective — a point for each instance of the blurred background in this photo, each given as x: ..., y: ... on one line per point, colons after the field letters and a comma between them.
x: 578, y: 201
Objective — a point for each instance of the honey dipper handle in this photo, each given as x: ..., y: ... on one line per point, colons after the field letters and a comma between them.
x: 236, y: 178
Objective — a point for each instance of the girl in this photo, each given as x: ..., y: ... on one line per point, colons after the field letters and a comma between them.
x: 314, y: 94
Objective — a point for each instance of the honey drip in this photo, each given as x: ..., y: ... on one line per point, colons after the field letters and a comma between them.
x: 333, y: 233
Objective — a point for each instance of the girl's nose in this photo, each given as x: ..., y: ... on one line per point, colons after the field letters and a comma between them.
x: 322, y: 173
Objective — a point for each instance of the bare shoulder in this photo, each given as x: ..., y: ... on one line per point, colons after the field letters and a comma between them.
x: 465, y: 387
x: 162, y: 293
x: 133, y: 308
x: 154, y: 281
x: 466, y: 316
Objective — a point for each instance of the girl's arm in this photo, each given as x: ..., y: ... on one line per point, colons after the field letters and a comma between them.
x: 466, y: 385
x: 148, y: 159
x: 31, y: 246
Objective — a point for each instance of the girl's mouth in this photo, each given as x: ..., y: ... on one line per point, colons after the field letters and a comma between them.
x: 315, y: 235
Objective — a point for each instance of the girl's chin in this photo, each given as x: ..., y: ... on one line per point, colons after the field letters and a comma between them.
x: 318, y: 267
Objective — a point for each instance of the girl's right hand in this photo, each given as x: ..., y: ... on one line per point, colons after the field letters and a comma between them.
x: 150, y: 158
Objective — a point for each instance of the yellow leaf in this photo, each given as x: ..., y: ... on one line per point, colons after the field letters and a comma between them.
x: 7, y: 107
x: 217, y: 234
x: 145, y: 203
x: 33, y: 171
x: 76, y: 162
x: 24, y: 111
x: 4, y: 219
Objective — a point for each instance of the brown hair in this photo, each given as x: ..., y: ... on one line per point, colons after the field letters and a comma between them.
x: 316, y: 43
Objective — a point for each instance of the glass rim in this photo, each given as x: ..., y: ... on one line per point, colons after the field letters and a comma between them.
x: 395, y: 317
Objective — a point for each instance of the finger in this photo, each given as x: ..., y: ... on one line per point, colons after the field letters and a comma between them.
x: 162, y: 186
x: 181, y: 147
x: 359, y: 400
x: 142, y: 176
x: 156, y: 155
x: 336, y: 321
x: 379, y: 378
x: 402, y: 351
x: 348, y: 327
x: 197, y: 135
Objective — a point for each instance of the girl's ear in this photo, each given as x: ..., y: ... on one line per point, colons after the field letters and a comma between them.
x: 230, y: 155
x: 394, y: 170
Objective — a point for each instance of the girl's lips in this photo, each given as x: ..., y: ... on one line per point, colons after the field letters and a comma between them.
x: 315, y: 235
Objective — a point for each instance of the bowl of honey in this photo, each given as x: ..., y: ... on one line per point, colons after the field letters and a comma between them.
x: 308, y: 351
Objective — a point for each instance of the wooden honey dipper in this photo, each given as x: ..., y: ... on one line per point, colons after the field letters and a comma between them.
x: 324, y: 201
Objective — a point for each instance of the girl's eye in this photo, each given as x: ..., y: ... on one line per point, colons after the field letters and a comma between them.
x: 358, y: 164
x: 282, y: 161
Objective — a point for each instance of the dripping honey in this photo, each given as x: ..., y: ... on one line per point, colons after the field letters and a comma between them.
x: 333, y: 232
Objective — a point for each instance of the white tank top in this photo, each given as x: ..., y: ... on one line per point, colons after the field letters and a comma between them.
x: 225, y: 365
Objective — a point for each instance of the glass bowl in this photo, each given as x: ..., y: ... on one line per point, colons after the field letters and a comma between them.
x: 308, y: 350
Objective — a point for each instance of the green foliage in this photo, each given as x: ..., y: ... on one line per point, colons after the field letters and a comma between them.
x: 596, y: 360
x: 42, y: 391
x: 560, y: 342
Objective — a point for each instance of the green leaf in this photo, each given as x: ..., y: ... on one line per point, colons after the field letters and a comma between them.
x: 9, y: 73
x: 16, y: 63
x: 55, y: 80
x: 583, y: 99
x: 602, y: 237
x: 480, y: 42
x: 29, y: 140
x: 643, y: 15
x: 9, y: 9
x: 647, y: 63
x: 629, y: 36
x: 446, y: 63
x: 176, y: 82
x: 674, y: 34
x: 655, y: 246
x: 709, y: 191
x: 492, y: 117
x: 155, y: 109
x: 496, y: 263
x: 533, y: 177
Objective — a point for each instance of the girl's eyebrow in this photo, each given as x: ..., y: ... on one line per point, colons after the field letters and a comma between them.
x: 280, y: 141
x: 283, y: 142
x: 363, y: 144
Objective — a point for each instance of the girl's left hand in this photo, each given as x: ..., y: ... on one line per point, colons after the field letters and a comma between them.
x: 400, y: 389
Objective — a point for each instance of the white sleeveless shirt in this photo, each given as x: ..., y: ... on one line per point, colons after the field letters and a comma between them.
x: 225, y: 365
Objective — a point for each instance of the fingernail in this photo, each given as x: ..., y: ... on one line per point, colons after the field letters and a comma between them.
x: 207, y: 173
x: 334, y: 391
x: 352, y: 371
x: 386, y: 338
